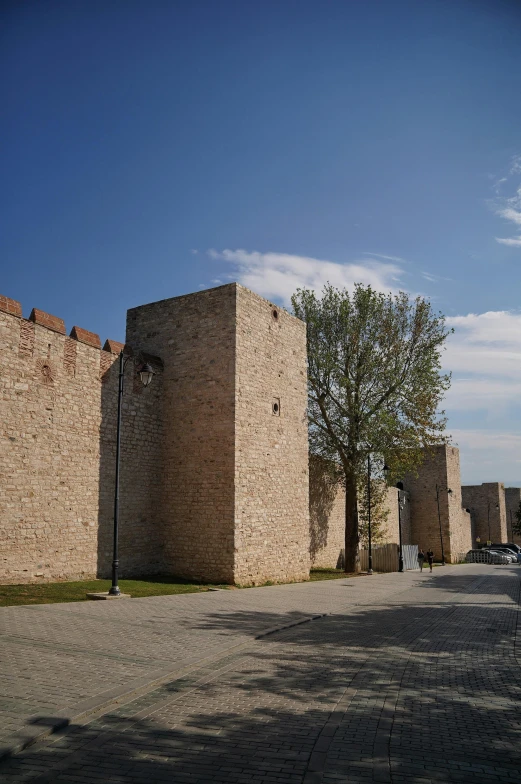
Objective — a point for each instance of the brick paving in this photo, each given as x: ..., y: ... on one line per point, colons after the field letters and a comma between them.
x: 408, y: 678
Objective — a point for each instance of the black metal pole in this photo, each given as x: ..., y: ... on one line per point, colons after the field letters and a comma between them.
x: 488, y: 521
x: 370, y: 569
x: 400, y: 559
x: 511, y: 528
x: 439, y: 521
x: 114, y: 590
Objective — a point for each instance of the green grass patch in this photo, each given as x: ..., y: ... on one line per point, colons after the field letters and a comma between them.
x: 52, y: 593
x: 327, y: 574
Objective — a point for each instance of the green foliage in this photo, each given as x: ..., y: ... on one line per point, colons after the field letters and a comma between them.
x: 375, y: 384
x: 379, y: 511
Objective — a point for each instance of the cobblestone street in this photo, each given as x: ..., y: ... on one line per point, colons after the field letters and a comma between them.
x: 391, y: 678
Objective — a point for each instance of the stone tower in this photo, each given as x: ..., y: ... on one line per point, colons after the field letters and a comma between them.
x: 440, y: 467
x: 487, y: 505
x: 234, y: 484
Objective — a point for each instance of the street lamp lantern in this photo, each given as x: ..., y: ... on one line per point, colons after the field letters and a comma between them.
x: 146, y: 374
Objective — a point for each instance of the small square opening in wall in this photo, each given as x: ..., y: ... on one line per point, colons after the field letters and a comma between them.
x: 275, y: 406
x: 275, y: 314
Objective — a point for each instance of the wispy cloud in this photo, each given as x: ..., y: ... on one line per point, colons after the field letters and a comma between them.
x: 509, y: 207
x: 433, y: 278
x: 387, y: 258
x: 276, y: 276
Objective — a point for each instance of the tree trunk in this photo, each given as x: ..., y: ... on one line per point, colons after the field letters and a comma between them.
x: 352, y: 557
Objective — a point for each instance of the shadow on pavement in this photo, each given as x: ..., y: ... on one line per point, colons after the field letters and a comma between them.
x: 399, y: 693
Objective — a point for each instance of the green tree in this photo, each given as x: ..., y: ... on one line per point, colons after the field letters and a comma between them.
x: 379, y: 510
x: 516, y: 528
x: 375, y: 384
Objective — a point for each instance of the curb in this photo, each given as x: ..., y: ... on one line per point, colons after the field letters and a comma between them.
x: 43, y: 727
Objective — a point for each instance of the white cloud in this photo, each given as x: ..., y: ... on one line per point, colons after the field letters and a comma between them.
x: 489, y: 456
x: 512, y: 241
x: 510, y: 214
x: 276, y: 276
x: 486, y: 346
x: 484, y: 354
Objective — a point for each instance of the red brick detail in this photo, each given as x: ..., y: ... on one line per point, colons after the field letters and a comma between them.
x: 113, y: 347
x: 106, y: 361
x: 46, y: 320
x: 26, y: 345
x: 69, y: 356
x: 84, y: 336
x: 10, y: 306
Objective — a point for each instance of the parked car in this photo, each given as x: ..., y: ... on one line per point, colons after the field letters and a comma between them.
x: 485, y: 556
x: 514, y: 557
x: 510, y: 557
x: 509, y: 547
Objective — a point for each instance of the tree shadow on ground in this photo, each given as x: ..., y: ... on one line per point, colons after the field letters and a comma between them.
x: 398, y: 693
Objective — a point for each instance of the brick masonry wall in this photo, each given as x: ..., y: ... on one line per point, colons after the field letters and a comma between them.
x: 57, y: 456
x: 512, y: 500
x: 440, y: 467
x: 392, y: 533
x: 459, y: 523
x: 482, y: 501
x: 271, y: 443
x: 195, y: 337
x: 326, y: 517
x: 234, y: 471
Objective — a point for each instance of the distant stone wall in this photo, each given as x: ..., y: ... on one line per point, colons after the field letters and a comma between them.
x: 440, y: 468
x: 57, y: 461
x: 326, y: 517
x: 487, y: 505
x: 512, y: 499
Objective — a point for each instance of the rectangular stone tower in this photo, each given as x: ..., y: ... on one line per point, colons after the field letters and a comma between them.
x: 487, y: 506
x: 234, y: 499
x: 440, y: 467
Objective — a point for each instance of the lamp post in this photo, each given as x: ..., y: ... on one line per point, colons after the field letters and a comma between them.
x: 449, y: 491
x: 511, y: 527
x: 401, y: 506
x: 145, y: 373
x: 496, y: 506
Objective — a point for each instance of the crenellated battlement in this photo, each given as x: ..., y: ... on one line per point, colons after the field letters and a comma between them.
x: 56, y: 324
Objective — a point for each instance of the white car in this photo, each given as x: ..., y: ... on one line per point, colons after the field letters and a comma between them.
x: 502, y: 556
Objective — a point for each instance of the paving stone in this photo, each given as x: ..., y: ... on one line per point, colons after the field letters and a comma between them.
x: 402, y: 681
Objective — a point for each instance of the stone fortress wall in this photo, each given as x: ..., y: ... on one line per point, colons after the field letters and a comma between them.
x: 488, y: 510
x: 214, y: 463
x: 234, y: 499
x: 216, y: 483
x: 58, y: 399
x: 420, y: 522
x: 512, y: 501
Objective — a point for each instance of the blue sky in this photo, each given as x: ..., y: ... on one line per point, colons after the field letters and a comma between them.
x: 154, y: 148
